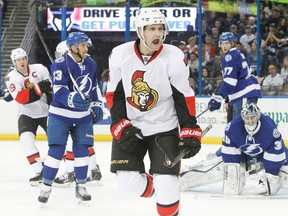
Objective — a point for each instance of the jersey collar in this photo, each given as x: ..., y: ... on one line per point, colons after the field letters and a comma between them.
x: 139, y: 55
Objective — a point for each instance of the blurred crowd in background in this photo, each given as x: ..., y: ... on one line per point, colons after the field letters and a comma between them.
x: 273, y: 48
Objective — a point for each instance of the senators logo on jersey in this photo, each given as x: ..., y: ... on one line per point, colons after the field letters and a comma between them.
x: 28, y: 84
x: 142, y: 96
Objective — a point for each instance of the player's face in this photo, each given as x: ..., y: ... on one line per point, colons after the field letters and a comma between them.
x: 83, y: 49
x: 250, y: 120
x: 21, y: 64
x: 226, y: 46
x: 153, y: 37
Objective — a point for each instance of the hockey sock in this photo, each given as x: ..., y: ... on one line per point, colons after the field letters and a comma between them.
x: 52, y: 163
x: 149, y: 190
x: 167, y: 194
x: 134, y: 183
x: 80, y: 162
x: 69, y: 162
x: 27, y: 141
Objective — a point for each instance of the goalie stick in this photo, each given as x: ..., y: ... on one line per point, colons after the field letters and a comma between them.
x: 168, y: 162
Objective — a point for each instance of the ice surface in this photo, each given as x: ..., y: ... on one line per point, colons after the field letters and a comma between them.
x: 18, y: 198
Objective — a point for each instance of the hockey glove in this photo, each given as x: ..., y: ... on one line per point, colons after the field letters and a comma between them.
x: 45, y: 86
x: 215, y: 102
x: 191, y: 141
x: 97, y: 114
x: 269, y: 184
x: 42, y: 87
x: 49, y: 98
x: 127, y: 135
x: 5, y: 95
x: 75, y: 101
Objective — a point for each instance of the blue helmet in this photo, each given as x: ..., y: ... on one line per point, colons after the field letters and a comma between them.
x: 77, y: 37
x: 226, y: 36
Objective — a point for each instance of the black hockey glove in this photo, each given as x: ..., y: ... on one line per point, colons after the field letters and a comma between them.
x: 127, y: 135
x: 45, y: 86
x: 42, y: 87
x: 190, y: 141
x: 49, y: 98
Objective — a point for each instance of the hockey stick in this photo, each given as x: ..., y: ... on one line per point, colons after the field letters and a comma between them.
x: 202, y: 112
x: 74, y: 81
x: 168, y: 162
x: 92, y: 104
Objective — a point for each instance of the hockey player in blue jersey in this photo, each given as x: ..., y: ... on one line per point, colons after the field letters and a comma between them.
x: 74, y: 90
x: 255, y: 136
x: 238, y: 83
x: 250, y: 139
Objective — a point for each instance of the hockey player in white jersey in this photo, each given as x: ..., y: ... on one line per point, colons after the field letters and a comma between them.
x: 30, y: 86
x: 149, y: 98
x: 251, y: 137
x: 74, y: 90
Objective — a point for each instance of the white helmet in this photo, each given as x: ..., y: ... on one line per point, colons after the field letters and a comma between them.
x: 250, y: 114
x: 150, y: 16
x: 17, y: 54
x: 61, y: 49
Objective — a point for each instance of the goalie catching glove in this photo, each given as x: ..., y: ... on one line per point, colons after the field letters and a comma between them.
x: 127, y: 135
x: 190, y: 141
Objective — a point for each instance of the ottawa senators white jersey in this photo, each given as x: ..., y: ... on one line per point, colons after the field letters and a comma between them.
x: 20, y: 87
x: 153, y: 93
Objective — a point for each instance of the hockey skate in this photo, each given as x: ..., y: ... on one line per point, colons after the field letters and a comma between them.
x: 65, y: 180
x: 44, y: 193
x: 81, y: 193
x: 36, y: 180
x: 95, y: 176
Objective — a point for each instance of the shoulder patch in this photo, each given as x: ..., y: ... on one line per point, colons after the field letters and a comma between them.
x: 59, y: 59
x: 276, y: 133
x: 228, y: 58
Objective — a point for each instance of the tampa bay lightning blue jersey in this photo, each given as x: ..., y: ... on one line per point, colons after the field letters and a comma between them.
x: 265, y: 144
x: 85, y: 75
x: 237, y: 79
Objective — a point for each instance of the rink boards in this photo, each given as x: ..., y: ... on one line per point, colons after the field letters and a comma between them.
x: 275, y: 107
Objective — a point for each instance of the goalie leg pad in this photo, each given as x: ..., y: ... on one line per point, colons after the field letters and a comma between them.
x: 269, y: 184
x: 202, y: 173
x: 284, y: 176
x: 234, y: 179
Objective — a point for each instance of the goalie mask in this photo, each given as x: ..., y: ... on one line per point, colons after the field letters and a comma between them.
x: 18, y: 54
x: 250, y: 114
x: 150, y: 16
